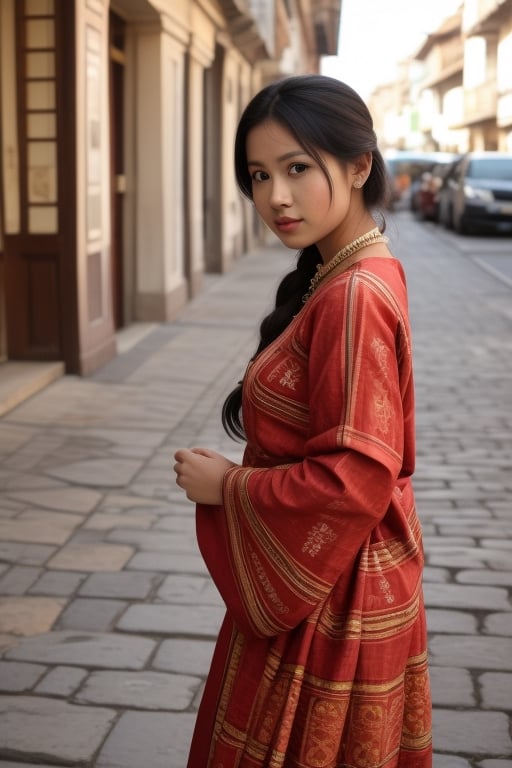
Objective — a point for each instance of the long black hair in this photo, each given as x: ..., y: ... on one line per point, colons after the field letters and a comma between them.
x: 324, y: 115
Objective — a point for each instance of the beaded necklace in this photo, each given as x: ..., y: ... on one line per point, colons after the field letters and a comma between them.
x: 322, y: 270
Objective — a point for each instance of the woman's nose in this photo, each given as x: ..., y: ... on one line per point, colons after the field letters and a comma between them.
x: 280, y: 193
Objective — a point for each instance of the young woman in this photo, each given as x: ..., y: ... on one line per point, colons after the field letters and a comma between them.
x: 314, y: 542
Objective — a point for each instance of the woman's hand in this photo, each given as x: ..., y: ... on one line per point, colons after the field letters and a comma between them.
x: 200, y: 472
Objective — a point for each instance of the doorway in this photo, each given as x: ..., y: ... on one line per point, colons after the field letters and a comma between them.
x: 117, y: 38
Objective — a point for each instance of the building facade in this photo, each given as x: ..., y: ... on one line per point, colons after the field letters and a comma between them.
x: 117, y: 190
x: 458, y: 85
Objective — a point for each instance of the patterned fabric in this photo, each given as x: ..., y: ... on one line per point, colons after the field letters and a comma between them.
x: 321, y: 661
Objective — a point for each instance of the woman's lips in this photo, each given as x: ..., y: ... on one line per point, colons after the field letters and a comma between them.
x: 285, y: 224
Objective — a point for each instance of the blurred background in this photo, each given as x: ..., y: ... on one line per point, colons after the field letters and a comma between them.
x: 117, y: 193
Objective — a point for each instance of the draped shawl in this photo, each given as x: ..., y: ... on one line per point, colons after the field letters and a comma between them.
x: 321, y: 661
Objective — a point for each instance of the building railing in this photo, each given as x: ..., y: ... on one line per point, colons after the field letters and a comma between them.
x: 480, y: 103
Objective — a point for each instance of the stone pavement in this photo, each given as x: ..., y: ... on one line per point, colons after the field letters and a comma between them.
x: 107, y: 614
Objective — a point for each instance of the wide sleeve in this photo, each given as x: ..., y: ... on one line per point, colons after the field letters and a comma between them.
x: 285, y: 534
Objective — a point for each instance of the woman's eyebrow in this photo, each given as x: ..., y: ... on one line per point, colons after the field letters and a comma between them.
x: 281, y: 158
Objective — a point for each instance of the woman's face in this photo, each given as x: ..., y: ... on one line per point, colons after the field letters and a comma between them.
x: 293, y: 196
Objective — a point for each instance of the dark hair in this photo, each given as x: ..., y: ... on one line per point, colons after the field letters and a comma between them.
x: 324, y: 115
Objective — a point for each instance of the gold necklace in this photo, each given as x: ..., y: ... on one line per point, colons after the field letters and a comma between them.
x: 322, y: 270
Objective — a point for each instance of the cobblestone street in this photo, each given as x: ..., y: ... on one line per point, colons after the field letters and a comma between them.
x: 107, y: 613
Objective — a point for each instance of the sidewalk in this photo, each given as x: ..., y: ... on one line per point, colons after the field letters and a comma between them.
x: 107, y: 614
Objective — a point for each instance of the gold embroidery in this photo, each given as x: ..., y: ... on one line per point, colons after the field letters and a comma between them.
x: 321, y: 738
x: 318, y: 536
x: 382, y: 405
x: 380, y: 352
x: 267, y: 585
x: 287, y: 372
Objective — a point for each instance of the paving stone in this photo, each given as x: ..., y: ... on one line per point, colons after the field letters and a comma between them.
x: 140, y: 690
x: 175, y: 522
x: 28, y: 615
x: 87, y: 557
x: 496, y: 689
x: 501, y: 543
x: 155, y: 541
x: 457, y: 622
x: 441, y: 543
x: 176, y: 619
x: 167, y: 563
x: 13, y: 481
x: 189, y: 590
x: 39, y: 527
x: 48, y: 729
x: 93, y: 615
x: 8, y: 641
x: 477, y: 529
x: 18, y: 580
x: 57, y: 583
x: 86, y: 649
x: 159, y: 740
x: 187, y: 656
x: 71, y: 499
x: 472, y: 651
x: 472, y: 733
x: 25, y: 554
x: 451, y: 687
x: 18, y: 676
x: 106, y: 472
x: 3, y: 764
x: 447, y: 761
x: 498, y: 624
x: 147, y: 439
x: 119, y: 501
x: 9, y: 511
x: 462, y: 596
x: 467, y: 557
x: 494, y: 577
x: 436, y: 575
x: 61, y: 681
x: 13, y: 436
x: 102, y: 521
x: 125, y: 584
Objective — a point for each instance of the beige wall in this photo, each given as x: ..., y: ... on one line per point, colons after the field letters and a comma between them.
x: 160, y: 290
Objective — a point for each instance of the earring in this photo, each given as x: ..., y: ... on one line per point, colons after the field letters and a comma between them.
x: 358, y: 183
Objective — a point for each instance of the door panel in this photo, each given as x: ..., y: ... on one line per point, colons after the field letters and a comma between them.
x: 117, y: 67
x: 32, y: 306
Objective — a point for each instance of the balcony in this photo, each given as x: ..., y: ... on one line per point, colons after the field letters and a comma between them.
x: 504, y: 110
x: 251, y: 26
x: 480, y: 103
x: 483, y: 17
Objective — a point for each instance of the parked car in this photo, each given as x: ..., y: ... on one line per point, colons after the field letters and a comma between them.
x: 405, y: 168
x: 477, y: 193
x: 425, y: 198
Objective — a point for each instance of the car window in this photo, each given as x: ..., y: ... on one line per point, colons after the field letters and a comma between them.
x: 490, y: 168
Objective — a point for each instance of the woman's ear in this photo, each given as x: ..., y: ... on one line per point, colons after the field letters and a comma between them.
x: 360, y: 169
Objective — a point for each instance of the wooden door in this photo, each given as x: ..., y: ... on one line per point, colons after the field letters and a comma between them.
x: 39, y: 258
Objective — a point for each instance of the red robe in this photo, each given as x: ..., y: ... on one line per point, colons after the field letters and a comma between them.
x: 322, y: 658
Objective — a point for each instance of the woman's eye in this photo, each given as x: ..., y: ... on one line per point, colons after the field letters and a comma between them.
x: 297, y: 168
x: 259, y: 176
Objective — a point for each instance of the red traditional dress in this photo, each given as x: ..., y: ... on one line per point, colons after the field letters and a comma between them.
x: 322, y: 658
